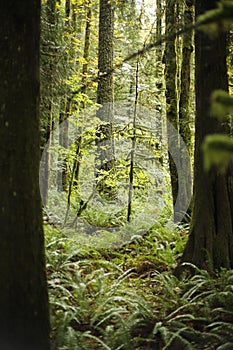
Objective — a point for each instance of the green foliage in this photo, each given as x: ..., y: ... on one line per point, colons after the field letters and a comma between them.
x: 218, y: 150
x: 127, y: 297
x: 214, y: 20
x: 221, y: 104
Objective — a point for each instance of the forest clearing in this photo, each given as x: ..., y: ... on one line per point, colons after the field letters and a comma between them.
x: 116, y: 171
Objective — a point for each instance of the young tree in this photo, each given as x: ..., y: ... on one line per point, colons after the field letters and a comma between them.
x: 210, y: 243
x: 24, y: 317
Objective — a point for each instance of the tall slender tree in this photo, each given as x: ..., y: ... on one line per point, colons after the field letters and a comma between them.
x: 48, y: 72
x: 210, y: 244
x: 24, y: 317
x: 86, y: 53
x: 65, y: 110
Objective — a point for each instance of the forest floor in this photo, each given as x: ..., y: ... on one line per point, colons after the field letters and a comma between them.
x: 128, y: 298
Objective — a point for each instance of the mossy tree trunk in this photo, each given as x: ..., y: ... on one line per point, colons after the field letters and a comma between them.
x: 74, y: 14
x: 47, y: 91
x: 171, y: 91
x: 105, y: 146
x: 184, y: 101
x: 158, y: 34
x: 65, y: 111
x: 210, y: 244
x: 86, y: 54
x: 62, y: 174
x: 24, y: 317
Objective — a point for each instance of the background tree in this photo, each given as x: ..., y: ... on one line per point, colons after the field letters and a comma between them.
x: 171, y: 94
x: 105, y: 88
x: 49, y: 59
x: 185, y: 120
x: 24, y: 318
x: 210, y: 243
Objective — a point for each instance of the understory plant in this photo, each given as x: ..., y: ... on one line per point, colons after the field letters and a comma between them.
x: 128, y: 298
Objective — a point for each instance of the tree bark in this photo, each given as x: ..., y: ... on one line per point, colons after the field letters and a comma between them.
x: 184, y: 101
x: 105, y: 148
x: 171, y: 91
x: 24, y: 317
x: 86, y: 53
x: 48, y: 73
x: 210, y: 243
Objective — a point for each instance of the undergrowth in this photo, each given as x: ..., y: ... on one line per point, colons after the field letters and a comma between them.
x: 128, y: 298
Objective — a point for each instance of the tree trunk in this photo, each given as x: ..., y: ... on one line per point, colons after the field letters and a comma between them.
x: 171, y: 91
x: 210, y: 243
x: 47, y: 94
x: 86, y: 53
x: 45, y: 173
x: 74, y: 15
x: 62, y: 175
x: 24, y: 317
x: 86, y: 50
x: 105, y: 58
x: 105, y: 149
x: 184, y: 102
x: 68, y: 9
x: 159, y: 50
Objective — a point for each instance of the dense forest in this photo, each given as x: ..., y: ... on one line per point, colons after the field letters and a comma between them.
x: 116, y: 175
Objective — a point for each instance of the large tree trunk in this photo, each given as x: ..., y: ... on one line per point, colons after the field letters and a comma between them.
x: 210, y: 243
x: 105, y: 55
x: 105, y: 152
x: 171, y: 92
x: 24, y: 318
x: 184, y: 102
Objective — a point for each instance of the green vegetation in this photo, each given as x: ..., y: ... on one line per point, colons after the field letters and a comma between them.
x: 113, y: 249
x: 128, y: 298
x: 133, y: 174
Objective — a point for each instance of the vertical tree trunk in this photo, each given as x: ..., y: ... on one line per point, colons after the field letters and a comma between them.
x: 86, y: 50
x: 86, y: 53
x: 68, y: 9
x: 74, y: 15
x: 105, y: 57
x: 171, y: 91
x: 62, y: 175
x: 105, y: 88
x: 24, y: 317
x: 210, y: 243
x: 159, y: 50
x: 46, y: 164
x: 47, y: 96
x: 65, y: 109
x: 184, y: 102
